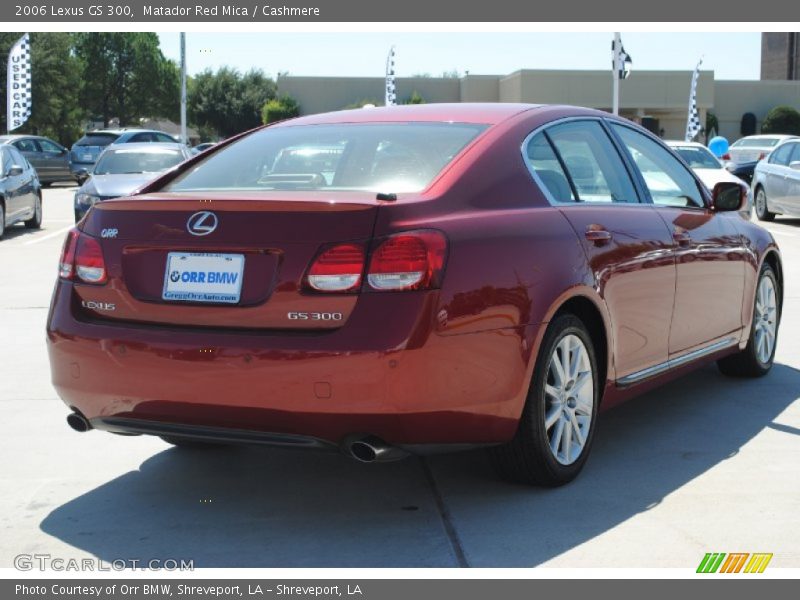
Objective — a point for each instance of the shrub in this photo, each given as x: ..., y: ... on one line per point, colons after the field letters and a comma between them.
x: 414, y: 98
x: 279, y: 109
x: 782, y: 119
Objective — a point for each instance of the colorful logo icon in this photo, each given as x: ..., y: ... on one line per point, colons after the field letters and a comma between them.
x: 734, y: 562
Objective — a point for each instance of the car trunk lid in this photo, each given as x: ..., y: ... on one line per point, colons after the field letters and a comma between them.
x: 219, y: 260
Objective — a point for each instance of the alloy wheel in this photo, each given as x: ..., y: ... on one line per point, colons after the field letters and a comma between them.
x: 766, y: 320
x: 569, y: 399
x: 761, y: 203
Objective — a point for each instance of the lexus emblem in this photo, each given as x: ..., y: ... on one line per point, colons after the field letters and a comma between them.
x: 202, y: 223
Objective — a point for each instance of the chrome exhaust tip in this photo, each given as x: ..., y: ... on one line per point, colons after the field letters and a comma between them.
x: 369, y: 449
x: 78, y: 422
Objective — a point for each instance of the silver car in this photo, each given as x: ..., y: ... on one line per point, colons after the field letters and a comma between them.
x: 776, y: 182
x: 754, y: 147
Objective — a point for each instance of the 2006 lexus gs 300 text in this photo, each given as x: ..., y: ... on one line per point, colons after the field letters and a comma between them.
x: 409, y: 279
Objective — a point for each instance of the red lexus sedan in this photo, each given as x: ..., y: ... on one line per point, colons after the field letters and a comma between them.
x: 407, y: 279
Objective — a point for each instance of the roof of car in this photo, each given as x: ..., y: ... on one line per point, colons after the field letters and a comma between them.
x: 687, y: 144
x: 768, y: 136
x: 18, y: 136
x: 122, y: 130
x: 154, y: 146
x: 488, y: 113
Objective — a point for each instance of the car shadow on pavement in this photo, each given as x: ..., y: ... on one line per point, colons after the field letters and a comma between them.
x: 254, y: 507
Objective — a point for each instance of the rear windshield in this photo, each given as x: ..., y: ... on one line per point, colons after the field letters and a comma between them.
x: 698, y: 158
x: 756, y: 143
x: 380, y: 157
x: 124, y: 161
x: 97, y: 139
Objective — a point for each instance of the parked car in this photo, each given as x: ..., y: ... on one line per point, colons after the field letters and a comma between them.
x: 203, y: 147
x: 122, y: 169
x: 50, y: 159
x: 776, y: 182
x: 743, y: 171
x: 86, y: 150
x: 20, y: 191
x: 706, y: 166
x: 471, y: 275
x: 753, y: 147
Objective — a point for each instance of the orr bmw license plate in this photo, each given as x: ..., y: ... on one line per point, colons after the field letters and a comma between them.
x: 203, y: 277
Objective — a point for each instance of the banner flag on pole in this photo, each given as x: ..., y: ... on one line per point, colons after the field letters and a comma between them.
x: 391, y: 90
x: 693, y: 126
x: 622, y: 62
x: 18, y: 92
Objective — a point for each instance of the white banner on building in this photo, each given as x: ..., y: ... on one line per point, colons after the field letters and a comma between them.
x: 18, y: 93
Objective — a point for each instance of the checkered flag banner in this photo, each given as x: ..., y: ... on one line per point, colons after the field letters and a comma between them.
x: 18, y: 94
x: 391, y: 89
x: 624, y: 61
x: 693, y: 126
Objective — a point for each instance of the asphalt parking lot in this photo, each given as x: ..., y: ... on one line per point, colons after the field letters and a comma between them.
x: 706, y: 464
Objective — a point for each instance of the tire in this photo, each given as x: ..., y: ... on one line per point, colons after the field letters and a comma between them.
x: 529, y: 457
x: 182, y: 442
x: 754, y: 360
x: 760, y: 201
x: 2, y: 220
x: 35, y: 222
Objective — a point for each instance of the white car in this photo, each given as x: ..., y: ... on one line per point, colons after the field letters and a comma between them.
x: 754, y: 147
x: 706, y: 166
x: 776, y: 182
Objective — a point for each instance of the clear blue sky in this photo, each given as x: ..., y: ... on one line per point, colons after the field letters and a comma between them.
x: 730, y: 55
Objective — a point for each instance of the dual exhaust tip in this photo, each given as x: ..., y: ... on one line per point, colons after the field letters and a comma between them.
x: 363, y: 448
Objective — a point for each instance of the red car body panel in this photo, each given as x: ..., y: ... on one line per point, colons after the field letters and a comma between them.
x: 442, y: 366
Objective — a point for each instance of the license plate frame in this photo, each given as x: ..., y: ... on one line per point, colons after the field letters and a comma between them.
x: 203, y: 277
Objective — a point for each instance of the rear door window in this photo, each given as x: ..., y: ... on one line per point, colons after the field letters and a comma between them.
x: 581, y: 153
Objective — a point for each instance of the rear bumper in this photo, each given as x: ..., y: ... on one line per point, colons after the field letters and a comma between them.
x: 386, y: 373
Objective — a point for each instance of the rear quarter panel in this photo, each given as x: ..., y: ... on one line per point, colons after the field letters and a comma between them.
x: 513, y: 259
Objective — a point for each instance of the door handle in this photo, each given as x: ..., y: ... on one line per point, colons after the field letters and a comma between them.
x: 682, y: 237
x: 597, y: 234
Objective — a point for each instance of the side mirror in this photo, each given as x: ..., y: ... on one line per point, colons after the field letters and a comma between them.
x: 795, y: 164
x: 15, y: 171
x: 728, y: 196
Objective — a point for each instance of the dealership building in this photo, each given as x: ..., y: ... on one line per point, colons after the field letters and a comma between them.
x: 656, y: 99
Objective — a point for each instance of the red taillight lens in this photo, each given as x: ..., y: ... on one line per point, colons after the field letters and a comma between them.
x: 412, y: 260
x: 337, y: 269
x: 65, y: 265
x: 82, y: 256
x: 762, y: 155
x: 89, y: 264
x: 726, y: 156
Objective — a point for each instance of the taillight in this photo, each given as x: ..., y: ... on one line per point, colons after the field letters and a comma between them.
x: 82, y: 257
x: 337, y: 269
x: 65, y: 265
x: 726, y: 156
x: 762, y: 155
x: 412, y: 260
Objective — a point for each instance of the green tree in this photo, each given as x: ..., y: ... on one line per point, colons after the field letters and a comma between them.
x: 55, y: 86
x: 127, y: 76
x: 414, y: 98
x: 782, y: 119
x: 279, y: 109
x: 228, y: 102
